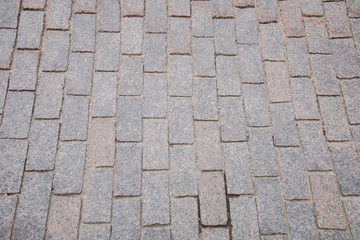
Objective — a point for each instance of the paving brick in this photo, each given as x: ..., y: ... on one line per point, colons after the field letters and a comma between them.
x: 179, y: 35
x: 268, y: 11
x: 334, y: 118
x: 312, y: 8
x: 215, y: 233
x: 74, y: 119
x: 49, y: 95
x: 155, y: 55
x: 32, y: 210
x: 108, y: 15
x: 317, y: 35
x: 131, y: 76
x: 202, y: 23
x: 7, y: 213
x: 298, y: 57
x: 346, y: 62
x: 79, y: 74
x: 292, y: 19
x: 262, y: 152
x: 4, y: 79
x: 328, y: 209
x: 205, y: 99
x: 156, y: 233
x: 213, y: 210
x: 222, y: 8
x: 95, y: 232
x: 104, y: 94
x: 274, y: 237
x: 30, y: 29
x: 24, y: 70
x: 272, y: 42
x: 207, y: 146
x: 250, y: 64
x: 83, y: 35
x: 244, y: 3
x: 334, y: 234
x: 228, y: 76
x: 17, y: 115
x: 64, y: 216
x: 132, y: 8
x: 180, y: 76
x: 224, y: 31
x: 101, y: 146
x: 96, y: 205
x: 269, y: 205
x: 204, y: 60
x: 58, y: 14
x: 352, y: 99
x: 293, y: 177
x: 314, y: 145
x: 155, y: 203
x: 355, y: 26
x: 155, y: 16
x: 302, y: 220
x: 353, y: 7
x: 56, y: 53
x: 107, y: 52
x: 84, y: 6
x: 304, y: 98
x: 337, y: 20
x: 155, y: 87
x: 352, y: 207
x: 179, y: 8
x: 7, y: 43
x: 181, y: 120
x: 127, y: 179
x: 131, y: 35
x: 9, y: 12
x: 12, y: 155
x: 126, y: 219
x: 246, y: 25
x: 184, y: 218
x: 155, y: 146
x: 34, y: 4
x: 129, y: 119
x: 43, y: 144
x: 277, y: 82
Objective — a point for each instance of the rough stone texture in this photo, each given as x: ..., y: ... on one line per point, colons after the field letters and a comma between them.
x: 353, y: 7
x: 317, y: 35
x: 355, y: 26
x: 224, y: 36
x: 272, y: 45
x: 244, y: 3
x: 129, y: 122
x: 58, y: 14
x: 352, y: 100
x: 180, y: 76
x: 7, y: 212
x: 246, y: 25
x: 104, y: 94
x: 107, y: 51
x: 126, y: 219
x: 205, y: 99
x: 155, y: 16
x: 292, y: 19
x: 346, y: 62
x: 179, y: 8
x: 84, y: 6
x: 34, y: 4
x: 312, y: 8
x: 202, y: 23
x: 95, y: 232
x: 55, y: 56
x: 277, y: 82
x: 179, y: 35
x: 79, y: 74
x: 4, y: 79
x: 298, y: 57
x: 9, y: 12
x: 30, y: 29
x: 7, y: 43
x: 334, y: 234
x: 267, y: 11
x: 304, y: 98
x: 155, y: 56
x: 228, y: 76
x: 223, y: 8
x: 108, y: 15
x: 156, y: 233
x: 132, y: 7
x: 352, y: 207
x: 154, y: 96
x: 184, y: 218
x: 337, y: 21
x: 83, y: 37
x: 215, y: 233
x: 181, y: 128
x: 204, y: 59
x: 250, y: 64
x: 131, y: 76
x: 131, y: 35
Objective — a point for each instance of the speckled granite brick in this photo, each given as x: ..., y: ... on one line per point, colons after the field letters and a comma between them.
x: 126, y: 219
x: 184, y: 218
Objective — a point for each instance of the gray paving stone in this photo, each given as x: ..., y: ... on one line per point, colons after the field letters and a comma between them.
x: 131, y: 76
x: 108, y: 16
x: 131, y: 35
x: 337, y: 20
x: 223, y: 8
x: 205, y: 99
x: 129, y: 119
x: 292, y: 19
x: 4, y: 79
x: 132, y: 8
x: 43, y: 144
x: 246, y: 25
x: 352, y: 207
x: 126, y: 219
x: 181, y: 128
x: 272, y: 45
x: 225, y: 39
x: 9, y: 12
x: 184, y: 218
x: 34, y: 4
x: 127, y: 179
x: 228, y: 76
x: 244, y: 3
x: 30, y: 29
x: 353, y: 8
x: 268, y: 11
x: 204, y: 59
x: 156, y: 233
x: 179, y: 35
x: 155, y: 87
x: 346, y: 62
x: 107, y: 52
x: 298, y: 57
x: 179, y: 8
x: 104, y: 94
x: 334, y: 234
x: 274, y: 237
x: 215, y: 233
x: 95, y: 232
x: 355, y: 26
x: 350, y: 90
x: 180, y: 76
x: 304, y: 98
x: 7, y: 213
x: 55, y: 56
x: 84, y: 6
x: 202, y: 23
x: 79, y: 74
x: 58, y: 14
x: 277, y: 82
x: 316, y: 34
x: 7, y: 44
x: 155, y: 16
x: 83, y: 34
x: 251, y: 67
x: 155, y: 56
x: 312, y: 8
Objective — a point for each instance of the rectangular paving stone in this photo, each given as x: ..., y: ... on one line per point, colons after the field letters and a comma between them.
x: 83, y: 34
x: 12, y: 155
x: 180, y: 76
x: 84, y: 6
x: 205, y: 99
x: 312, y: 8
x: 256, y: 105
x: 7, y: 213
x: 132, y: 8
x: 246, y: 25
x: 155, y: 16
x: 304, y: 98
x: 9, y: 12
x: 4, y: 79
x: 155, y: 203
x: 127, y: 179
x: 181, y: 128
x: 43, y: 144
x: 302, y: 214
x: 327, y: 202
x: 96, y: 204
x: 131, y: 35
x: 129, y: 119
x: 352, y: 207
x: 126, y: 219
x: 274, y: 237
x: 215, y: 233
x: 179, y: 8
x: 201, y: 15
x: 184, y: 218
x: 7, y: 44
x: 30, y: 29
x: 155, y: 146
x: 316, y: 35
x: 179, y: 35
x: 346, y: 62
x: 350, y: 90
x: 55, y: 56
x: 225, y: 39
x: 101, y: 146
x: 251, y: 67
x: 212, y: 198
x: 79, y: 74
x: 355, y: 27
x: 232, y: 119
x: 317, y: 154
x: 292, y: 19
x: 17, y: 115
x: 49, y: 95
x: 131, y: 75
x: 154, y: 95
x: 58, y: 14
x: 223, y: 8
x: 334, y: 118
x: 244, y: 218
x: 183, y: 171
x: 108, y: 16
x: 272, y: 45
x: 262, y: 152
x: 107, y: 52
x: 277, y: 82
x: 204, y: 60
x: 104, y: 94
x: 207, y: 146
x: 95, y: 231
x: 74, y: 119
x: 268, y: 11
x: 64, y: 216
x: 353, y: 8
x: 34, y: 4
x: 334, y: 234
x: 298, y: 57
x: 155, y: 55
x: 24, y: 70
x: 156, y: 233
x: 228, y: 76
x: 337, y: 20
x: 33, y: 201
x: 269, y: 205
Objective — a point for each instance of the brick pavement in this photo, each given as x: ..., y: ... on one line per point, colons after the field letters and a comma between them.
x: 180, y: 119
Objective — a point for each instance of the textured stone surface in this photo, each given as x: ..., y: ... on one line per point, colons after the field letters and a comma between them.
x: 184, y: 218
x: 108, y: 15
x: 107, y: 51
x: 267, y: 11
x: 155, y: 56
x: 346, y: 63
x: 129, y: 122
x: 205, y: 99
x: 277, y: 82
x: 79, y: 74
x: 228, y: 76
x: 224, y: 36
x: 4, y: 79
x: 7, y: 43
x: 132, y: 7
x: 84, y: 6
x: 298, y: 57
x: 94, y: 232
x: 312, y: 7
x: 9, y: 11
x: 334, y: 234
x: 58, y: 14
x: 104, y: 94
x: 131, y: 76
x: 7, y: 212
x: 55, y: 56
x: 352, y: 100
x: 291, y: 17
x: 250, y: 64
x: 83, y: 37
x: 156, y: 233
x: 33, y: 4
x: 30, y: 29
x: 204, y: 59
x: 126, y: 219
x: 337, y: 21
x: 179, y: 35
x: 304, y: 98
x: 272, y: 46
x: 131, y: 35
x: 352, y: 207
x: 355, y: 25
x: 317, y: 35
x: 155, y: 16
x: 246, y: 25
x: 215, y: 233
x: 179, y: 7
x: 154, y: 95
x: 180, y: 76
x: 181, y: 128
x: 202, y: 23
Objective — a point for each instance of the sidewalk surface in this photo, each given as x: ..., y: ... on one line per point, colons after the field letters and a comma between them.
x: 179, y: 119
